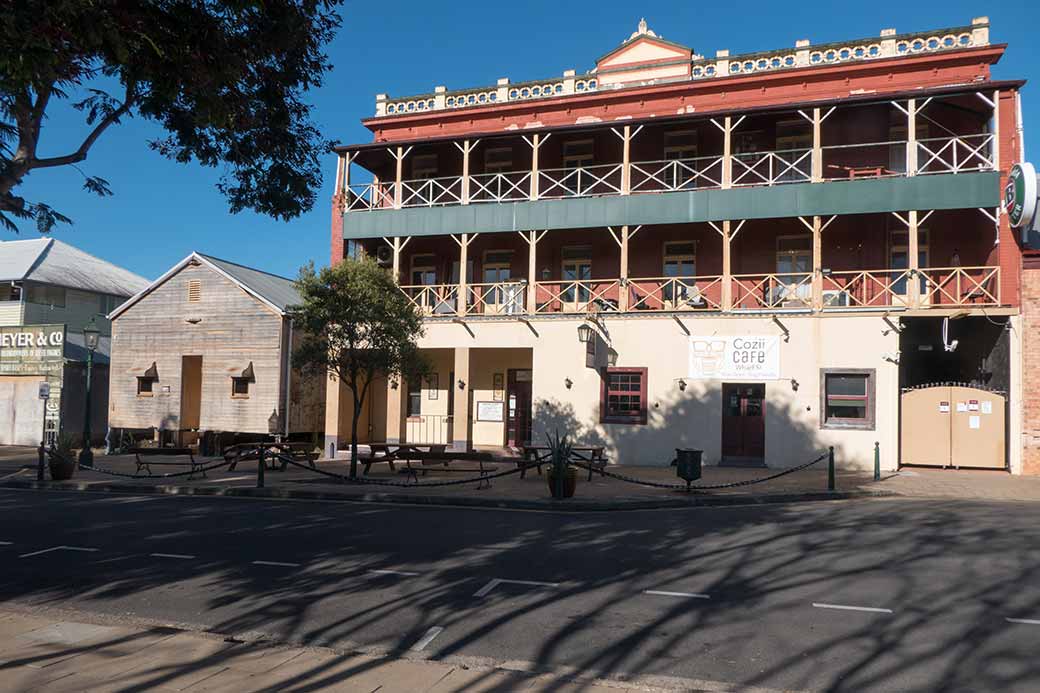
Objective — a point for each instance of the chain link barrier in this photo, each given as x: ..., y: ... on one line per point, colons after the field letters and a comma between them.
x: 707, y: 487
x: 399, y: 484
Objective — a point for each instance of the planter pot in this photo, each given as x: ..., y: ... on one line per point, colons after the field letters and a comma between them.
x: 61, y: 470
x: 570, y: 480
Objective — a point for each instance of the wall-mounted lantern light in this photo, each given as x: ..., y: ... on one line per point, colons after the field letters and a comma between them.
x: 584, y: 333
x: 611, y: 358
x: 567, y: 383
x: 462, y: 384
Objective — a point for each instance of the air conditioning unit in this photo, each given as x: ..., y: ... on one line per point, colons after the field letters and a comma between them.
x: 384, y: 256
x: 836, y: 298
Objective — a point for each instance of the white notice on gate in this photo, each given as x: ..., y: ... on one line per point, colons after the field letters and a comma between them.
x: 735, y: 358
x: 973, y: 421
x: 962, y: 406
x: 987, y: 406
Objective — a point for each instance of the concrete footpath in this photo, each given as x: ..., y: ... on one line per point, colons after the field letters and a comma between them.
x: 531, y: 492
x: 55, y: 654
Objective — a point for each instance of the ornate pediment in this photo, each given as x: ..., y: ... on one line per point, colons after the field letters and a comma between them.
x: 644, y: 55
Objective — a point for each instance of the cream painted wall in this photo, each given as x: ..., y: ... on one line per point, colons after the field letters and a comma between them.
x: 693, y: 418
x: 484, y: 363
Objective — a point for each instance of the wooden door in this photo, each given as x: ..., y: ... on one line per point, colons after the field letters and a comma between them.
x: 518, y: 408
x: 743, y: 422
x: 191, y: 399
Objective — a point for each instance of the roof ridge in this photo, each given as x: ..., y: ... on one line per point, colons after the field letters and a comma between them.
x: 239, y: 264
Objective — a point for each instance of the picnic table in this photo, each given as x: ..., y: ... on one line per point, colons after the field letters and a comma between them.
x: 537, y: 455
x: 391, y: 452
x: 299, y: 452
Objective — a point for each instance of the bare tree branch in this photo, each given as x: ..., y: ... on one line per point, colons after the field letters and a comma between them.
x: 81, y: 153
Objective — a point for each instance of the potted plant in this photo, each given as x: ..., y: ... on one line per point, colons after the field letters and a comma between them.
x: 61, y: 459
x: 561, y: 476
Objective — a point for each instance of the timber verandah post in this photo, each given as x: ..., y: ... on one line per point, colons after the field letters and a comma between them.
x: 535, y: 144
x: 532, y: 238
x: 728, y: 233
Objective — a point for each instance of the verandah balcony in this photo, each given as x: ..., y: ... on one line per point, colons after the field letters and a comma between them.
x: 857, y: 262
x: 948, y: 134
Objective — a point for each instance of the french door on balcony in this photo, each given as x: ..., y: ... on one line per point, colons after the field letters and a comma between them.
x: 502, y: 295
x: 680, y: 266
x: 898, y: 259
x: 576, y: 271
x: 794, y: 265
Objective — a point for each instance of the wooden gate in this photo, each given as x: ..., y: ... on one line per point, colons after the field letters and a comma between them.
x: 952, y: 426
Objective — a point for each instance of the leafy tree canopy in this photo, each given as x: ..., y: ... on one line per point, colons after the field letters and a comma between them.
x: 357, y: 326
x: 224, y: 79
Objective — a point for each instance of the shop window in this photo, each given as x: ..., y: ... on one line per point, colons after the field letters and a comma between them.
x: 240, y: 387
x: 414, y: 400
x: 44, y: 295
x: 847, y: 398
x: 623, y: 396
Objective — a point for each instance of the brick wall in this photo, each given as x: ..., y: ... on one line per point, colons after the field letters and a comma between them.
x: 1031, y: 364
x: 337, y: 231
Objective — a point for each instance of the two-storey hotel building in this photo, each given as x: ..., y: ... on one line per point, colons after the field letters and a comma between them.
x: 753, y: 255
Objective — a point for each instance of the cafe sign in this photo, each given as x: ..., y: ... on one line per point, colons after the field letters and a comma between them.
x: 1020, y: 195
x: 735, y: 358
x: 32, y: 350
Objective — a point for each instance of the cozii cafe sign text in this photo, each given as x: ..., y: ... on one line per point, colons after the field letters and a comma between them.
x: 735, y: 358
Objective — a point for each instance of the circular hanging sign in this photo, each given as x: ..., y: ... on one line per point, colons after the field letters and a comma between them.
x: 1020, y: 195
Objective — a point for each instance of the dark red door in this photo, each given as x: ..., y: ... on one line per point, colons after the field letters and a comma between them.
x: 743, y: 422
x: 518, y: 408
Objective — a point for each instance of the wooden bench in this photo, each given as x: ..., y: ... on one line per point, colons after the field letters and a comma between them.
x: 166, y: 452
x: 390, y: 452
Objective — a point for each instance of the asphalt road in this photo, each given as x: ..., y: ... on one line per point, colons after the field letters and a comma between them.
x: 848, y: 596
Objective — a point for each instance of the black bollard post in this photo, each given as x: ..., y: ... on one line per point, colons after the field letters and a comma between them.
x: 39, y: 466
x: 830, y: 468
x: 260, y: 464
x: 877, y: 461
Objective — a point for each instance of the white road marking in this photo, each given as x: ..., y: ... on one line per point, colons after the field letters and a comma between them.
x: 280, y: 564
x: 251, y: 477
x: 842, y: 607
x: 6, y: 543
x: 171, y: 555
x: 56, y: 548
x: 1026, y: 621
x: 689, y: 595
x: 427, y: 639
x: 495, y: 582
x: 393, y: 572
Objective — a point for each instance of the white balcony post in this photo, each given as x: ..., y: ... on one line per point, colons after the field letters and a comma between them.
x: 817, y: 147
x: 397, y: 259
x: 913, y: 286
x: 911, y: 137
x: 461, y: 300
x: 727, y: 272
x: 623, y: 293
x: 535, y: 143
x: 465, y: 171
x: 532, y: 272
x: 626, y: 164
x: 817, y: 263
x: 727, y: 157
x: 399, y: 170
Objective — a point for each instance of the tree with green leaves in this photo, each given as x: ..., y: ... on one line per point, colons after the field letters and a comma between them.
x: 224, y: 79
x: 358, y: 326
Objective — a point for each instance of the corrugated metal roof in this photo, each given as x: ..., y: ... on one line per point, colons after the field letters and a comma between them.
x: 279, y: 291
x: 50, y: 261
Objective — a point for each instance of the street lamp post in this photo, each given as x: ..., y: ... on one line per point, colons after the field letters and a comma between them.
x: 90, y: 340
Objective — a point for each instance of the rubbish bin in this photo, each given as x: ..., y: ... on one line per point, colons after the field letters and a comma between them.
x: 688, y: 464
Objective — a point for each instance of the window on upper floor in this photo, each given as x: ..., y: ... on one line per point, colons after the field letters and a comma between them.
x: 681, y: 144
x: 107, y: 304
x: 498, y: 159
x: 578, y: 153
x: 46, y: 295
x: 424, y: 166
x: 13, y: 292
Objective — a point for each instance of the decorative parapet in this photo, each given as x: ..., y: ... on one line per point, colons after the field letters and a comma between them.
x: 887, y: 45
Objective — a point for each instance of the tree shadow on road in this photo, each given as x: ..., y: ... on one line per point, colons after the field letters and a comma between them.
x: 951, y: 573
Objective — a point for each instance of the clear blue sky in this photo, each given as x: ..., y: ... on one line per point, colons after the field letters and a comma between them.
x: 162, y: 210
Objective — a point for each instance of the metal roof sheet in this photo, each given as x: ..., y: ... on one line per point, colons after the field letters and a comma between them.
x: 50, y: 261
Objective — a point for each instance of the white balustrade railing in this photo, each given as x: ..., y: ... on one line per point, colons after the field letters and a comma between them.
x: 676, y: 174
x: 431, y: 192
x: 955, y: 154
x: 772, y: 168
x: 582, y: 181
x: 364, y: 196
x: 500, y: 187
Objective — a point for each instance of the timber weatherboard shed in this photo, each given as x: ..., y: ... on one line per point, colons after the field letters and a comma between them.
x: 207, y: 347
